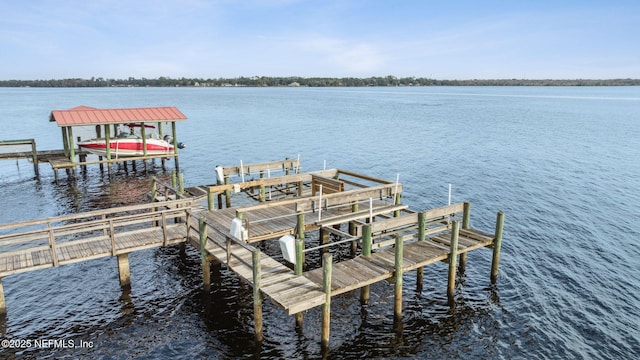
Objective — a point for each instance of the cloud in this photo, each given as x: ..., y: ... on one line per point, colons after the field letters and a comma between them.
x: 345, y: 55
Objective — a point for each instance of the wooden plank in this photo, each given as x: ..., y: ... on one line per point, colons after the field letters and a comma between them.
x: 477, y: 235
x: 350, y: 196
x: 462, y: 241
x: 305, y: 301
x: 341, y: 219
x: 364, y: 177
x: 247, y: 169
x: 329, y: 185
x: 444, y: 211
x: 392, y: 223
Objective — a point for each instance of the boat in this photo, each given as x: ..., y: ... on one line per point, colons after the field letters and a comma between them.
x: 130, y: 144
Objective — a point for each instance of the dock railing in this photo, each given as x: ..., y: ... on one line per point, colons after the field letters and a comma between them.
x: 20, y: 155
x: 31, y: 245
x: 316, y: 204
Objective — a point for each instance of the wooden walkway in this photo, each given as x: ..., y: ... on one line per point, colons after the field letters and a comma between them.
x: 296, y: 293
x: 39, y: 244
x: 387, y: 239
x: 366, y: 270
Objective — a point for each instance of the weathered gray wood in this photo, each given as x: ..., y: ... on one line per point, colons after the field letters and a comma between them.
x: 395, y: 222
x: 341, y: 219
x: 248, y: 169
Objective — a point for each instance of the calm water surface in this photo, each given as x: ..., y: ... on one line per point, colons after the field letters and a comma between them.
x: 562, y: 163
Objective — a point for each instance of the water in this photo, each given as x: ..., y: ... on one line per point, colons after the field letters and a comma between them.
x: 562, y: 163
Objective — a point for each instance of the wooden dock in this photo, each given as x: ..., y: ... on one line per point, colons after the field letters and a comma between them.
x: 387, y: 238
x: 38, y: 244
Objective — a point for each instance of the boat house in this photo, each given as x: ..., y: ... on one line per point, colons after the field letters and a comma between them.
x: 107, y: 123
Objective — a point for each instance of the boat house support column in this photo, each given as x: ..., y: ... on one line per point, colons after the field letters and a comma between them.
x: 98, y: 136
x: 107, y: 140
x: 160, y: 136
x: 143, y: 134
x: 175, y: 145
x: 65, y: 141
x: 72, y: 150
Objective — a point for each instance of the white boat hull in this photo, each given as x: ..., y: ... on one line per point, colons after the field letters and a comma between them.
x: 126, y: 147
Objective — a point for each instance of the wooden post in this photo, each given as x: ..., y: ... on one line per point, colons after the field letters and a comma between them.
x: 298, y: 268
x: 497, y: 244
x: 300, y: 225
x: 366, y: 240
x: 366, y: 251
x: 257, y: 296
x: 397, y: 202
x: 324, y: 240
x: 65, y: 141
x: 263, y: 195
x: 180, y: 184
x: 174, y: 179
x: 452, y: 262
x: 72, y: 150
x: 227, y: 193
x: 299, y: 265
x: 300, y: 188
x: 421, y: 237
x: 206, y: 266
x: 327, y: 265
x: 353, y: 230
x: 123, y: 270
x: 143, y: 135
x: 466, y: 215
x: 154, y: 190
x: 397, y: 304
x: 3, y: 304
x: 210, y: 200
x: 34, y: 156
x: 175, y: 144
x: 219, y: 182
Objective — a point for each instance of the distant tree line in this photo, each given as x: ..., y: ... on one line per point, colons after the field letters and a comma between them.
x: 266, y: 81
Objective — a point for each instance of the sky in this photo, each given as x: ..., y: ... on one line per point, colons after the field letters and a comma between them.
x: 448, y: 39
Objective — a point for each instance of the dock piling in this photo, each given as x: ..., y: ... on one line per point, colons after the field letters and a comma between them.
x: 123, y: 270
x: 298, y: 268
x: 497, y: 244
x: 366, y: 251
x: 327, y: 264
x: 206, y: 266
x: 397, y: 304
x: 353, y: 230
x: 452, y: 262
x: 466, y: 216
x: 257, y: 296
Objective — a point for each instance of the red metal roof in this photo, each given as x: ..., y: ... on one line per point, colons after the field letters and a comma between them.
x: 84, y: 115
